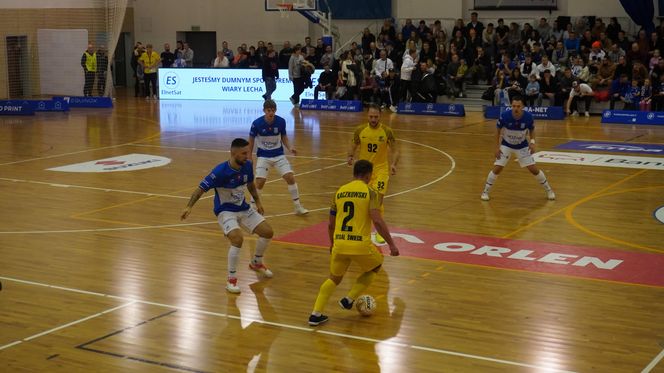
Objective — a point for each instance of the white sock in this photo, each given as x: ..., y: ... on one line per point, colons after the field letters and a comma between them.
x: 541, y: 178
x: 261, y: 246
x: 295, y: 194
x: 233, y: 256
x: 490, y: 180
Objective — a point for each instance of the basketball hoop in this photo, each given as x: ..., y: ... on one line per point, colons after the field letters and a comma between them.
x: 284, y: 8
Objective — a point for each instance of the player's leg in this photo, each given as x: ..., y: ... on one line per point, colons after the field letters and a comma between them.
x: 229, y: 224
x: 379, y: 182
x: 283, y: 166
x: 256, y: 224
x: 498, y: 165
x: 338, y: 266
x: 539, y: 176
x: 370, y: 264
x: 262, y: 168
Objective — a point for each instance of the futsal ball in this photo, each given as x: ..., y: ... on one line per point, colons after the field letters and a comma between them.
x: 366, y: 305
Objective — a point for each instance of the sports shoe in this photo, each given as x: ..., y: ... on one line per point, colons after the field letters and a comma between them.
x: 550, y: 195
x: 485, y: 196
x: 154, y: 97
x: 587, y: 114
x: 231, y: 285
x: 575, y: 113
x: 393, y: 108
x: 345, y: 303
x: 317, y: 320
x: 379, y: 239
x: 299, y: 210
x: 292, y: 100
x: 261, y: 269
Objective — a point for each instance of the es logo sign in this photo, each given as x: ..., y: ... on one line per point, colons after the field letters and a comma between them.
x: 172, y: 80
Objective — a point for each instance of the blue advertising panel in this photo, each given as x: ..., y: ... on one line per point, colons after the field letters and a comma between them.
x: 538, y: 112
x: 607, y: 146
x: 633, y: 117
x: 225, y: 84
x: 331, y: 105
x: 16, y: 107
x: 56, y: 104
x: 87, y: 101
x: 424, y: 108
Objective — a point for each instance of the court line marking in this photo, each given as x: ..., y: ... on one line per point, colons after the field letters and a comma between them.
x: 261, y: 321
x: 654, y: 362
x: 537, y: 221
x: 227, y: 151
x: 35, y: 336
x: 569, y: 216
x: 449, y: 172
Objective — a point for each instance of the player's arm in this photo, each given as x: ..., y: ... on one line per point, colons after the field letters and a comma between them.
x: 195, y: 196
x: 531, y: 142
x: 353, y: 146
x: 286, y: 144
x: 393, y: 154
x: 381, y: 227
x: 251, y: 187
x: 499, y: 132
x: 331, y: 225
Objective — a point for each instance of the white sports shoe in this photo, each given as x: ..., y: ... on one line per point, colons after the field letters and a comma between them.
x: 299, y: 210
x: 550, y: 195
x: 261, y: 269
x: 393, y: 108
x: 231, y: 285
x: 587, y: 114
x: 575, y: 113
x: 485, y: 196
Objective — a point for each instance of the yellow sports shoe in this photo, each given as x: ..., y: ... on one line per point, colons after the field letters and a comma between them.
x: 379, y: 238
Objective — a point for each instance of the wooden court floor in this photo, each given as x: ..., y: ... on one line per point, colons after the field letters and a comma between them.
x: 100, y: 275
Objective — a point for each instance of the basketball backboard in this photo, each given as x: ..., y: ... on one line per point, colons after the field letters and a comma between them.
x: 281, y: 5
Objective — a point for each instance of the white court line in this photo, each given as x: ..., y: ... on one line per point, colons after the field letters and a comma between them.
x: 227, y: 151
x: 281, y: 325
x: 91, y: 188
x: 654, y: 362
x: 66, y: 325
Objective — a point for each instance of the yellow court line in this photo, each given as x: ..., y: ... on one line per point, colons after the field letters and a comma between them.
x: 569, y: 215
x: 566, y: 207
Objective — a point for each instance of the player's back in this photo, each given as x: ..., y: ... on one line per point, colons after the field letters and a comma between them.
x: 352, y: 232
x: 374, y: 143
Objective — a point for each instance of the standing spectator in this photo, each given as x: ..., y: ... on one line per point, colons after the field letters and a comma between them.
x: 228, y: 52
x: 367, y: 38
x: 564, y: 86
x: 150, y: 61
x: 350, y: 75
x: 89, y: 64
x: 501, y: 35
x: 533, y: 92
x: 474, y: 24
x: 646, y: 96
x: 328, y: 57
x: 102, y: 67
x: 167, y: 57
x: 407, y: 67
x: 270, y: 71
x: 613, y: 29
x: 632, y: 97
x: 138, y: 69
x: 285, y: 55
x: 188, y: 55
x: 295, y: 65
x: 407, y: 28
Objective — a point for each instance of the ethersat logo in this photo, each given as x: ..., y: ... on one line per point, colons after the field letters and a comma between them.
x: 451, y: 108
x: 607, y: 114
x: 172, y: 80
x: 429, y: 107
x: 408, y: 106
x: 651, y: 116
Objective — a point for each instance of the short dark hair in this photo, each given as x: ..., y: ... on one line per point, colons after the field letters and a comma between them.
x: 269, y: 104
x: 375, y: 107
x: 518, y: 98
x: 362, y: 168
x: 239, y: 143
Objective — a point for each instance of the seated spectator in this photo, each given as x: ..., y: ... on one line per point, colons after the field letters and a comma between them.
x: 654, y: 60
x: 658, y: 95
x: 639, y: 72
x: 517, y: 86
x: 240, y: 59
x: 580, y: 91
x: 326, y: 82
x: 615, y: 52
x: 480, y: 66
x: 633, y: 96
x: 221, y: 60
x: 646, y: 96
x: 564, y: 86
x: 423, y: 84
x: 546, y: 65
x: 619, y: 88
x: 528, y: 67
x: 460, y: 78
x: 559, y: 56
x: 605, y: 74
x: 549, y: 88
x: 533, y: 92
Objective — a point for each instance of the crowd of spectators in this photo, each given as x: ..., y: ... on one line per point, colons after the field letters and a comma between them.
x: 549, y: 63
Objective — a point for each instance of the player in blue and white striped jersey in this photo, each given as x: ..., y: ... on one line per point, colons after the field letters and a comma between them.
x: 229, y: 180
x: 269, y: 134
x: 514, y: 129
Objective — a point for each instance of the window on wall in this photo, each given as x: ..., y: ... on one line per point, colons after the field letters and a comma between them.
x: 516, y: 4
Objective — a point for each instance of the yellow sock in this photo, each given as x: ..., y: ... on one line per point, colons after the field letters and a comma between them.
x: 363, y: 281
x: 324, y: 294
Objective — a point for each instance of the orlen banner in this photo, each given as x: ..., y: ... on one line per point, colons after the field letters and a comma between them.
x: 225, y: 84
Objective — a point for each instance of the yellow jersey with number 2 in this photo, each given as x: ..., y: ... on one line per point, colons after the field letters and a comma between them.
x: 352, y: 230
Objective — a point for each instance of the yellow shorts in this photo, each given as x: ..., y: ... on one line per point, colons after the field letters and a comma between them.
x: 339, y: 262
x: 379, y: 181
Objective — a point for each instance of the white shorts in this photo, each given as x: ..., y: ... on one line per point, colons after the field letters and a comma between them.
x: 249, y: 219
x: 525, y: 158
x: 279, y: 162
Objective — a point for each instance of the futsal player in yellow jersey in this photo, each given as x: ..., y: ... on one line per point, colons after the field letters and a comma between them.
x: 355, y: 206
x: 377, y: 144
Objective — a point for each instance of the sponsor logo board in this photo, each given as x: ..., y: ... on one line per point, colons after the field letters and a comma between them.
x: 541, y: 257
x: 621, y: 147
x: 602, y: 160
x: 129, y: 162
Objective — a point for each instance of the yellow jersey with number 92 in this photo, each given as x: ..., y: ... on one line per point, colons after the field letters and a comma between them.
x: 352, y: 230
x: 374, y: 144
